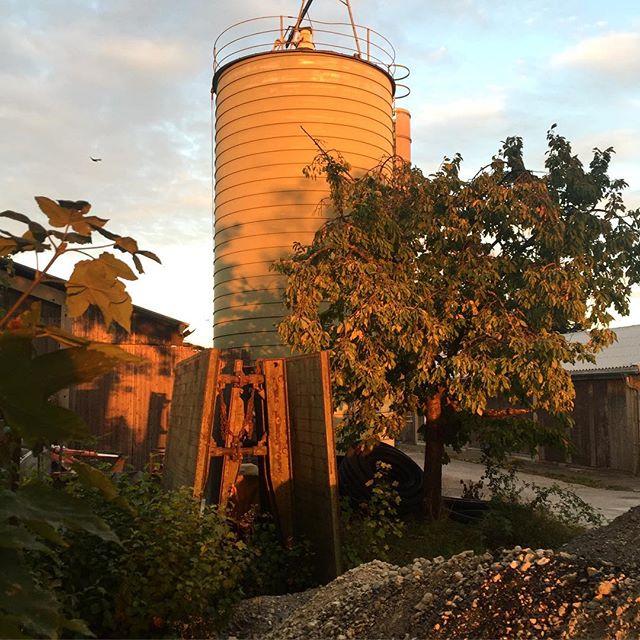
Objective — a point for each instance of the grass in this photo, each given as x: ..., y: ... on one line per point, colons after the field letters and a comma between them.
x: 536, y: 469
x: 548, y: 519
x: 505, y: 525
x: 573, y: 478
x: 443, y: 537
x: 555, y: 473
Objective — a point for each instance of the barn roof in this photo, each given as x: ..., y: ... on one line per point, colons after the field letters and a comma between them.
x: 59, y: 283
x: 622, y: 357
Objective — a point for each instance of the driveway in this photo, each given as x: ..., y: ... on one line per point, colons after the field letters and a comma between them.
x: 610, y: 503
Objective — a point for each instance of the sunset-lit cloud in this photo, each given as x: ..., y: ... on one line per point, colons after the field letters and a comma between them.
x: 129, y: 82
x: 461, y: 112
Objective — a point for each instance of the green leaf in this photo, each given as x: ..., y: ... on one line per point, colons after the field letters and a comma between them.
x: 15, y: 536
x: 11, y: 626
x: 41, y: 422
x: 59, y: 369
x: 27, y: 382
x: 28, y: 609
x: 94, y: 478
x: 23, y: 603
x: 37, y: 503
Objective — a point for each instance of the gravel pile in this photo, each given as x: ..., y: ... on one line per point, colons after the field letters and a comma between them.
x: 618, y: 542
x: 592, y: 592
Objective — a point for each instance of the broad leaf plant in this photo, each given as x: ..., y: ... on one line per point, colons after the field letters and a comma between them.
x: 33, y: 515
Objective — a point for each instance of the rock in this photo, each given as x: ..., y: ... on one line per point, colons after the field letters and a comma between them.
x: 517, y: 593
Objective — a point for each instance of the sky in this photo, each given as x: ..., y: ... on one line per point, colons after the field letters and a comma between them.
x: 128, y: 81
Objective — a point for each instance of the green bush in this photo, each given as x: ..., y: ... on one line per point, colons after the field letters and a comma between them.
x: 369, y: 529
x: 178, y: 567
x: 181, y: 565
x: 274, y: 568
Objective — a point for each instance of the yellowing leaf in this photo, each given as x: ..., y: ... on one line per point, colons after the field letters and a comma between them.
x: 77, y: 303
x: 33, y: 244
x: 121, y: 269
x: 127, y: 244
x: 70, y: 215
x: 58, y: 216
x: 85, y: 225
x: 7, y: 247
x: 96, y: 282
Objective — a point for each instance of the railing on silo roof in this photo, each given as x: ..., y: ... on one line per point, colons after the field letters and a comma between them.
x: 275, y: 33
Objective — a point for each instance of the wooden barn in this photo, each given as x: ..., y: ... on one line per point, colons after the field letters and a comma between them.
x: 607, y: 407
x: 606, y: 433
x: 127, y: 410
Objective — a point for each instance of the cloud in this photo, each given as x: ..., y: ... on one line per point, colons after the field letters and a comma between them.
x: 624, y: 141
x: 142, y: 54
x: 616, y: 54
x: 462, y: 111
x: 129, y: 82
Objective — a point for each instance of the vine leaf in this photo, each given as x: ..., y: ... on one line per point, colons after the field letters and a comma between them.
x: 7, y: 246
x: 65, y: 213
x: 127, y: 244
x: 97, y: 282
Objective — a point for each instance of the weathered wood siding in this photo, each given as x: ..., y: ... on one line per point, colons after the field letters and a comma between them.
x: 126, y: 410
x: 607, y: 426
x: 146, y: 328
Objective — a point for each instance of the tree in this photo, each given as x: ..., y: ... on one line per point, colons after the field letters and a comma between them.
x: 442, y: 294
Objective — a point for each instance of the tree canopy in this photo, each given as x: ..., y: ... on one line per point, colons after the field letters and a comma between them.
x: 442, y: 294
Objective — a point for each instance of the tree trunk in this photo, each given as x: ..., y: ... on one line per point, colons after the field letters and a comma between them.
x: 433, y: 455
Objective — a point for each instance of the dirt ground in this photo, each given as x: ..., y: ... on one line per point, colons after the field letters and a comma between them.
x: 610, y: 492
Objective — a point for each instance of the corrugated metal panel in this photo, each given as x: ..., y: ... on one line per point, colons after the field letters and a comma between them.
x: 623, y: 356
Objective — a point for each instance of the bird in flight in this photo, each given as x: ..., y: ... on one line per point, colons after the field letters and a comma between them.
x: 96, y: 159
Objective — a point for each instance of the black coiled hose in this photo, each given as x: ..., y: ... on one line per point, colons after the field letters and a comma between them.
x: 356, y: 470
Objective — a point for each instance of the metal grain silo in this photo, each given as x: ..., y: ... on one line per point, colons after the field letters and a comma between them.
x: 265, y: 95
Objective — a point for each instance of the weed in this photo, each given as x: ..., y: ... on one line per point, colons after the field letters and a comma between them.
x: 274, y: 568
x: 369, y: 529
